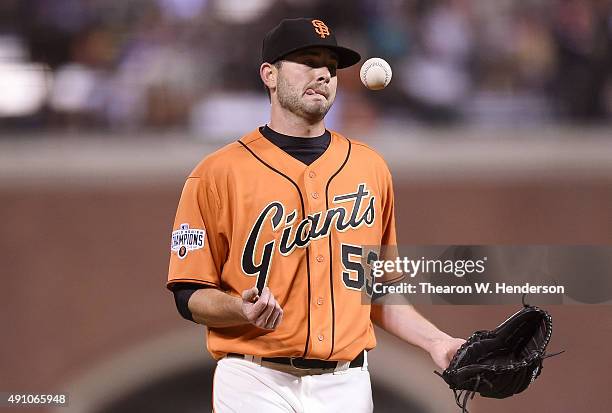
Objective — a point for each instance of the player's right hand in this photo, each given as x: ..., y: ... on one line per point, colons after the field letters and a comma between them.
x: 263, y: 312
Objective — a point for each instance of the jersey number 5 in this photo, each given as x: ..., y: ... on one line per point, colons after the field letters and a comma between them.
x: 354, y: 275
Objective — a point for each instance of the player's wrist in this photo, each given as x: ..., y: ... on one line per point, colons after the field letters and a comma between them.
x: 439, y: 337
x: 240, y: 310
x: 434, y: 342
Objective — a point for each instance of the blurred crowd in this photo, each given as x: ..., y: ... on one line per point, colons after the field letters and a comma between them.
x: 192, y: 65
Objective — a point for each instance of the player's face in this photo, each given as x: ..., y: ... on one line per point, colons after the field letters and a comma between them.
x: 306, y: 84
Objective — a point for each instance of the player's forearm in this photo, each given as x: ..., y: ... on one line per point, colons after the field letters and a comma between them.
x: 214, y: 308
x: 405, y: 322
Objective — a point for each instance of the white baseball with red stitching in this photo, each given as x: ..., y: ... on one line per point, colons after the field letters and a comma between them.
x: 375, y: 73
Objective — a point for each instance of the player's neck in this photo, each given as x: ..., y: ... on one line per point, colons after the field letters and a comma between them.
x: 287, y: 123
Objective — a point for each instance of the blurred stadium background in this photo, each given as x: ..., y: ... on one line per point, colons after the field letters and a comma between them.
x: 497, y: 126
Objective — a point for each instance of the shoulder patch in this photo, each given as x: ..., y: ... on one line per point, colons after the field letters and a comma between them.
x: 186, y: 239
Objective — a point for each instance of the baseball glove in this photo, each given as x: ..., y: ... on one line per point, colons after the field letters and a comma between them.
x: 502, y: 362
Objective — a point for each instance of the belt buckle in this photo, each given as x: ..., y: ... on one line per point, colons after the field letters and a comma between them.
x: 296, y: 367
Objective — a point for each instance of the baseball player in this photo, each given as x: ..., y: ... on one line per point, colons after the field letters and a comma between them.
x: 268, y: 243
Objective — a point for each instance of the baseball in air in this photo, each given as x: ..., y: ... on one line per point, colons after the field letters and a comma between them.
x: 375, y: 73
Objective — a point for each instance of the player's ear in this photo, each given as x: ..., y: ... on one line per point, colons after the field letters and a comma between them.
x: 268, y: 74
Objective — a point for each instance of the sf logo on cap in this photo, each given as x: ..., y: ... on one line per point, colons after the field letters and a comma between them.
x: 321, y: 28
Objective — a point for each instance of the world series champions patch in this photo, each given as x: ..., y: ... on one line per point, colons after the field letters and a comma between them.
x: 186, y: 239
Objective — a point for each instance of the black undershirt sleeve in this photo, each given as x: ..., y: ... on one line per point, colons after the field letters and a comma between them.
x: 182, y: 293
x: 305, y: 150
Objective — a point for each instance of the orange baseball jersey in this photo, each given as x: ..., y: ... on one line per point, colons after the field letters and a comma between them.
x: 250, y: 214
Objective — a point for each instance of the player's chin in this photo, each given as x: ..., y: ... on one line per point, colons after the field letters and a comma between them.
x: 315, y: 114
x: 319, y: 106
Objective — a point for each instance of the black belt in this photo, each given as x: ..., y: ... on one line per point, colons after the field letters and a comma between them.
x: 302, y: 363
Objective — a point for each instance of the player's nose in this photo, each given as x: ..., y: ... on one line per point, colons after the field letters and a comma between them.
x: 323, y: 74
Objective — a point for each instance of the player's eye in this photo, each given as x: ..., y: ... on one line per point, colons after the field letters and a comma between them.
x: 314, y: 63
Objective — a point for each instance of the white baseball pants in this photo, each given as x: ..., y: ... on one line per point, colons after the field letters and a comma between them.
x: 245, y: 386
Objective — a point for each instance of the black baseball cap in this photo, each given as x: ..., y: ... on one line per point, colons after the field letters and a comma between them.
x: 292, y: 35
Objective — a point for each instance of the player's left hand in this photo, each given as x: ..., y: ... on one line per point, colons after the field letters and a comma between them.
x: 442, y: 350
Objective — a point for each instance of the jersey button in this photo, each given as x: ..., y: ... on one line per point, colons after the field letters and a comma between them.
x: 320, y: 300
x: 320, y: 337
x: 320, y: 258
x: 315, y: 195
x: 312, y: 174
